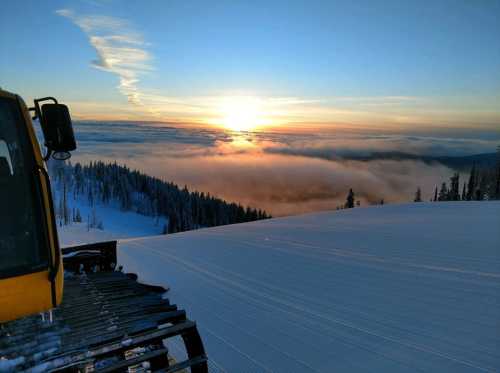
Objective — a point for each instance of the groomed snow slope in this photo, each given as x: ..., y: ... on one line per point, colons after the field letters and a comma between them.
x: 393, y: 288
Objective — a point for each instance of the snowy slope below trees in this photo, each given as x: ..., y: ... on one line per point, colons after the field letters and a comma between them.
x: 113, y: 222
x: 392, y: 288
x: 81, y: 219
x: 117, y: 224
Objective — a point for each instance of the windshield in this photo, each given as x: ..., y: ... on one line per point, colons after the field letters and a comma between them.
x: 21, y: 245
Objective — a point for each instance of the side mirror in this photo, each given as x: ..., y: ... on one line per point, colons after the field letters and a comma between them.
x: 57, y: 128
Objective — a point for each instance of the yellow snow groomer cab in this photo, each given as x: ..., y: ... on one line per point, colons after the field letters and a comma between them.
x: 31, y: 272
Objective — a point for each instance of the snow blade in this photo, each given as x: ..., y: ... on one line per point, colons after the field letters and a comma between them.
x: 107, y: 322
x: 100, y: 256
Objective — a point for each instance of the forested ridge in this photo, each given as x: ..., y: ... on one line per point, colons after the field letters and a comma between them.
x: 482, y: 184
x: 131, y: 190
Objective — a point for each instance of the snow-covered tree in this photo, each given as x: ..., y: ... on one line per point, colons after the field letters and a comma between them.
x: 443, y: 193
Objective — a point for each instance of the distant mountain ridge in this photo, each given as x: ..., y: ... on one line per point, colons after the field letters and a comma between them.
x: 460, y: 163
x: 457, y: 162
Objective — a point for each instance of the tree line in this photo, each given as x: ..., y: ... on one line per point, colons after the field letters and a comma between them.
x: 483, y: 184
x: 113, y: 184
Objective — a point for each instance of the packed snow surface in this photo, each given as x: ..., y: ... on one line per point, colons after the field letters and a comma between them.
x: 393, y: 288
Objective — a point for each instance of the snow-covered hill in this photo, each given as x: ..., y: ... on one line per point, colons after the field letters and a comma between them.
x: 392, y: 288
x: 117, y: 224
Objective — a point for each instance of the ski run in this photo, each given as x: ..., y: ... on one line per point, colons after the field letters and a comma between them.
x: 393, y: 288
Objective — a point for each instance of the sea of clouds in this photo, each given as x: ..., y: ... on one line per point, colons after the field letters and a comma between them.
x: 282, y: 172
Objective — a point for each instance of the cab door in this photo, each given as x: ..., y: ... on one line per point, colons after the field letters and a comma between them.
x: 28, y: 242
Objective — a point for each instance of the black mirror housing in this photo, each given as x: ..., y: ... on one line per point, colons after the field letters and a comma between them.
x: 57, y: 128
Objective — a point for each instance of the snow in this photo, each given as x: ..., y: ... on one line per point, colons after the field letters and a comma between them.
x: 413, y: 287
x: 7, y: 365
x: 117, y: 224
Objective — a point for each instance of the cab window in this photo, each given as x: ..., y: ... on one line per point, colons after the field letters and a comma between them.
x: 21, y: 242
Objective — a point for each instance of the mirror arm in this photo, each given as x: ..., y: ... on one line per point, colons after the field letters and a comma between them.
x: 34, y: 110
x: 38, y: 112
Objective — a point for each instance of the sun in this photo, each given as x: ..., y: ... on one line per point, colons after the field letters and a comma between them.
x: 241, y: 113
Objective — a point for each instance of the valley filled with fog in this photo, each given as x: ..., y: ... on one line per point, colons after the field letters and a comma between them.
x: 284, y: 172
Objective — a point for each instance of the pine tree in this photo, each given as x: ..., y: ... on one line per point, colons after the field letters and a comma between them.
x: 443, y: 193
x: 59, y: 210
x: 78, y: 217
x: 497, y: 176
x: 90, y: 196
x: 350, y: 200
x: 436, y: 194
x: 471, y: 187
x: 454, y: 192
x: 483, y: 184
x: 418, y: 195
x: 65, y: 210
x: 478, y: 195
x: 172, y: 223
x: 482, y: 188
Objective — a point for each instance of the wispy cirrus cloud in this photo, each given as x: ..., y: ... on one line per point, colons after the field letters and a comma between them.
x: 120, y: 50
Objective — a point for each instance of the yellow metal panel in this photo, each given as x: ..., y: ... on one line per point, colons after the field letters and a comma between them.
x: 24, y: 295
x: 27, y: 294
x: 49, y: 213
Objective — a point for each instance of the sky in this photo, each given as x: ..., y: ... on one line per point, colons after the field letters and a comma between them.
x: 268, y: 103
x: 251, y: 65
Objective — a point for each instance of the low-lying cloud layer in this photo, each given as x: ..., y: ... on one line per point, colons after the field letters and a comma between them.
x: 282, y: 173
x: 383, y: 147
x: 284, y: 185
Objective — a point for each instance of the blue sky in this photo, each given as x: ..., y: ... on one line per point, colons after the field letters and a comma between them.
x: 381, y: 63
